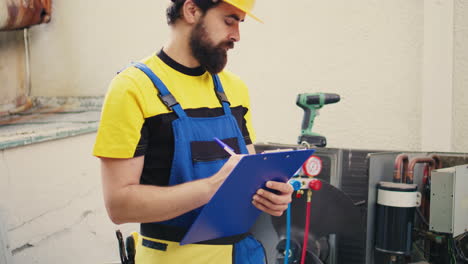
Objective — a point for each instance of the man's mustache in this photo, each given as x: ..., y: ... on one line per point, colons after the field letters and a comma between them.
x: 227, y: 44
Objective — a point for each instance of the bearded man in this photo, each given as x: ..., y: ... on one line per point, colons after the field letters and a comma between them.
x: 160, y: 163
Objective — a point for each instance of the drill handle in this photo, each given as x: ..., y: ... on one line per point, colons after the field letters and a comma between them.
x: 308, y: 120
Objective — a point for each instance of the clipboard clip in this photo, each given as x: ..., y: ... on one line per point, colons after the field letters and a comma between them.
x: 277, y: 150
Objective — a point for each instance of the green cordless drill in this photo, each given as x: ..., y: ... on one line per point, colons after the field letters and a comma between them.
x: 311, y: 103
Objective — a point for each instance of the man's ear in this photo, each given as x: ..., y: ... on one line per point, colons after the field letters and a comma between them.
x: 191, y: 13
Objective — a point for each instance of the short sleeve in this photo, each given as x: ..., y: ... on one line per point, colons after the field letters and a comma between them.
x: 120, y: 129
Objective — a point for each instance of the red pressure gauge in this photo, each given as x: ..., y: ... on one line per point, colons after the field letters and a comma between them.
x: 312, y: 166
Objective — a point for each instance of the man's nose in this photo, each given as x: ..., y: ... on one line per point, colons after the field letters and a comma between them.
x: 235, y: 34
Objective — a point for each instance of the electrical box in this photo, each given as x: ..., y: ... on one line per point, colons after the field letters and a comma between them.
x: 449, y: 200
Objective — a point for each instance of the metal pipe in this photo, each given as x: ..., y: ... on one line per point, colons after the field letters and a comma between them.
x: 437, y: 164
x: 399, y: 170
x: 438, y: 161
x: 27, y: 62
x: 19, y: 14
x: 425, y: 194
x: 22, y: 102
x: 409, y: 175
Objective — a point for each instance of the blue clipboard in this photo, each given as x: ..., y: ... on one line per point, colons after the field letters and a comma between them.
x: 230, y: 211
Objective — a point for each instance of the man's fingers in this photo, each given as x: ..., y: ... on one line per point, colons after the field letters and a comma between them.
x: 229, y: 166
x: 231, y: 163
x: 271, y: 203
x: 261, y: 207
x: 275, y: 207
x: 218, y: 178
x: 282, y: 187
x: 275, y: 198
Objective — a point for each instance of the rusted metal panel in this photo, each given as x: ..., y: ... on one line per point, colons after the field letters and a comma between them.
x: 18, y: 14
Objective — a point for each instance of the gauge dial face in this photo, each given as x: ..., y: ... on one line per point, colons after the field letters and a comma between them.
x: 313, y: 166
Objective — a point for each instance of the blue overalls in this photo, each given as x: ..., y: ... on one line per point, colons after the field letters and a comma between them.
x: 159, y: 242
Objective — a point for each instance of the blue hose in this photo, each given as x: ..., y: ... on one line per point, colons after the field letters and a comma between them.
x: 288, y: 234
x: 296, y: 186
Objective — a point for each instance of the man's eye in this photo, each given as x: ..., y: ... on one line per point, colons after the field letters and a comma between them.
x: 229, y: 21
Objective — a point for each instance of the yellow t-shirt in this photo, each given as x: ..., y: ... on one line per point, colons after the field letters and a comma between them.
x: 135, y: 122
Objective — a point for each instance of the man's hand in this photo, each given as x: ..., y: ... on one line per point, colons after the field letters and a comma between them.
x: 271, y: 203
x: 128, y: 201
x: 218, y: 178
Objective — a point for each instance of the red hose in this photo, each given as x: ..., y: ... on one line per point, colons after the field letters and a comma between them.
x: 306, y: 233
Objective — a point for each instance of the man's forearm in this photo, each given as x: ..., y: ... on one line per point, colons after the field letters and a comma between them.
x: 147, y: 203
x: 128, y: 201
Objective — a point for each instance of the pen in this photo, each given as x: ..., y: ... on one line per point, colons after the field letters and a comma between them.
x: 225, y: 146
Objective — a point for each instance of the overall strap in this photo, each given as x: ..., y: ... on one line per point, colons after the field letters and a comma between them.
x: 166, y: 97
x: 221, y: 95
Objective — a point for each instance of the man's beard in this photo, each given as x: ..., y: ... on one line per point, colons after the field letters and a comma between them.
x: 212, y: 58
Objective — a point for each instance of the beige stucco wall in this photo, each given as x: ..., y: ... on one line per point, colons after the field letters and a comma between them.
x: 460, y: 78
x: 87, y: 42
x: 367, y: 51
x: 51, y: 206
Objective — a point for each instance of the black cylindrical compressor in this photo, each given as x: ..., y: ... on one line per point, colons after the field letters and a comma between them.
x: 396, y: 204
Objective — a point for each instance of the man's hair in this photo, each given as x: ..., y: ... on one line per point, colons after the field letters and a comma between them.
x: 173, y: 11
